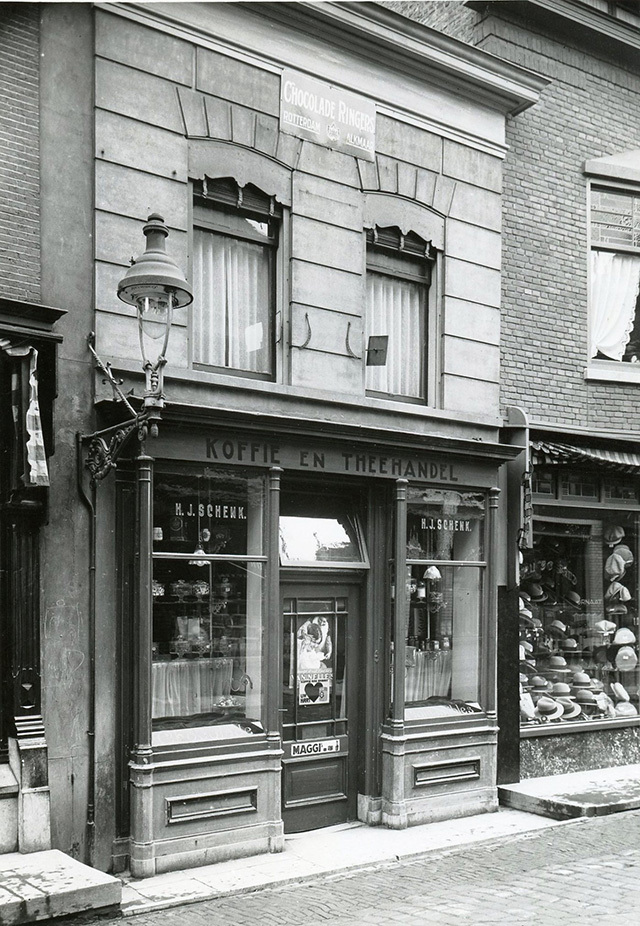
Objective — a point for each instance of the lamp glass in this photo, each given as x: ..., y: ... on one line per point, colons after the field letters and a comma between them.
x: 154, y: 312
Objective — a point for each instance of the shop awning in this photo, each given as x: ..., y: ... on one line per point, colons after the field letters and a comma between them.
x: 544, y: 453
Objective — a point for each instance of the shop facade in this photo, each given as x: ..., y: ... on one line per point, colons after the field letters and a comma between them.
x: 275, y: 702
x: 279, y: 613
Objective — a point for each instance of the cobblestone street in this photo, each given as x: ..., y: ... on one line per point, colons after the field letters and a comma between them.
x: 585, y: 872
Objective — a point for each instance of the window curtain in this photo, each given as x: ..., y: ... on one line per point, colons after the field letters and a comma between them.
x: 395, y: 307
x: 231, y: 321
x: 615, y: 280
x: 28, y: 420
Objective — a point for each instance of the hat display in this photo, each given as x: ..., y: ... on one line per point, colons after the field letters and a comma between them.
x: 619, y: 692
x: 550, y: 593
x: 624, y: 637
x: 605, y: 627
x: 615, y: 566
x: 623, y: 550
x: 617, y: 592
x: 616, y: 610
x: 536, y: 592
x: 613, y: 535
x: 539, y: 684
x: 626, y: 659
x: 548, y: 709
x: 572, y: 599
x: 557, y: 662
x: 560, y: 690
x: 585, y: 696
x: 579, y: 616
x: 571, y: 709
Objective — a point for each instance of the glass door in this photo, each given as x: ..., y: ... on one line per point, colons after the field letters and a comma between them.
x: 319, y: 704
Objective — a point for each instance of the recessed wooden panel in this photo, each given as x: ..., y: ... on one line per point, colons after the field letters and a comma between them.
x: 213, y: 804
x: 318, y: 780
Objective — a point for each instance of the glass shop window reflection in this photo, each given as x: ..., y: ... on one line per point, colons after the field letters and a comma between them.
x: 208, y: 593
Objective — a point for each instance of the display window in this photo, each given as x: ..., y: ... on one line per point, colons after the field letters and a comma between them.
x: 578, y: 614
x: 208, y: 599
x: 445, y: 579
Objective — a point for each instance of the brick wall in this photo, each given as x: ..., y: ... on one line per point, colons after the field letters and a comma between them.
x: 448, y: 16
x: 19, y: 152
x: 589, y: 110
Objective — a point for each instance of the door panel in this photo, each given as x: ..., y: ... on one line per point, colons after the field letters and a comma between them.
x: 319, y: 704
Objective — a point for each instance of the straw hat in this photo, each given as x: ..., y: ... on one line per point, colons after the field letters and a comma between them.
x: 548, y: 709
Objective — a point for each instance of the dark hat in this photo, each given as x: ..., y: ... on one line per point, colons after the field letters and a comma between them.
x: 572, y: 599
x: 550, y: 593
x: 536, y: 592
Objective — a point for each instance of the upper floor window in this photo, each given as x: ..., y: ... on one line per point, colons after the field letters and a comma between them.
x: 615, y: 275
x: 398, y: 278
x: 235, y: 238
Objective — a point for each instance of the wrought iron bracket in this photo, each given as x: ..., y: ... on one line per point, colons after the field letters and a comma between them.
x: 105, y: 447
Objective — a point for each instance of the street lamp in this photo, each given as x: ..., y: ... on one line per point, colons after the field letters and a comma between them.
x: 155, y: 285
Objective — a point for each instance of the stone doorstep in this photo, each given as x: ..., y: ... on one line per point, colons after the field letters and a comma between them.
x: 578, y: 794
x: 42, y: 885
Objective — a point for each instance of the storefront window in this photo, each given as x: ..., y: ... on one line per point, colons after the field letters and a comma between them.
x: 208, y: 594
x: 317, y: 530
x: 445, y: 549
x: 579, y: 621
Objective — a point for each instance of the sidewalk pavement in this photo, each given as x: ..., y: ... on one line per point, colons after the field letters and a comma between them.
x: 308, y: 856
x: 47, y: 884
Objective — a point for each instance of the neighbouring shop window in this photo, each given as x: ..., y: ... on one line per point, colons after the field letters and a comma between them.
x: 208, y: 594
x: 615, y: 275
x: 579, y: 621
x: 398, y: 277
x: 445, y: 575
x: 235, y: 237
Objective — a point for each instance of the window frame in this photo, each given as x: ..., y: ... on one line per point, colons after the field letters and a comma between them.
x: 400, y: 264
x: 600, y: 368
x: 197, y: 218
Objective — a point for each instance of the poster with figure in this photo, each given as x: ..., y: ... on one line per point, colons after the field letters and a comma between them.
x: 314, y: 664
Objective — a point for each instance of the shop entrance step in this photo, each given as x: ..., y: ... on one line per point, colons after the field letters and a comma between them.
x: 42, y: 885
x: 578, y: 794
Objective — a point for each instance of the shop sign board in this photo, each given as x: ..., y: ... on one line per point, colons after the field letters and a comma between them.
x: 327, y: 115
x: 220, y: 448
x: 314, y: 748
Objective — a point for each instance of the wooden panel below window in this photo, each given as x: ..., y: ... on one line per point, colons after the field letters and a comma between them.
x: 315, y: 781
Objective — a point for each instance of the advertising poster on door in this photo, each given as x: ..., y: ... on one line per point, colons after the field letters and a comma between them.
x: 314, y: 663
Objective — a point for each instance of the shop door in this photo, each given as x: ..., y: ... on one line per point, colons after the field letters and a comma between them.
x: 319, y: 704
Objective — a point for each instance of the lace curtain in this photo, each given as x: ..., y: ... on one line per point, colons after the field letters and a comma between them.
x: 231, y: 304
x: 396, y: 307
x: 615, y: 280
